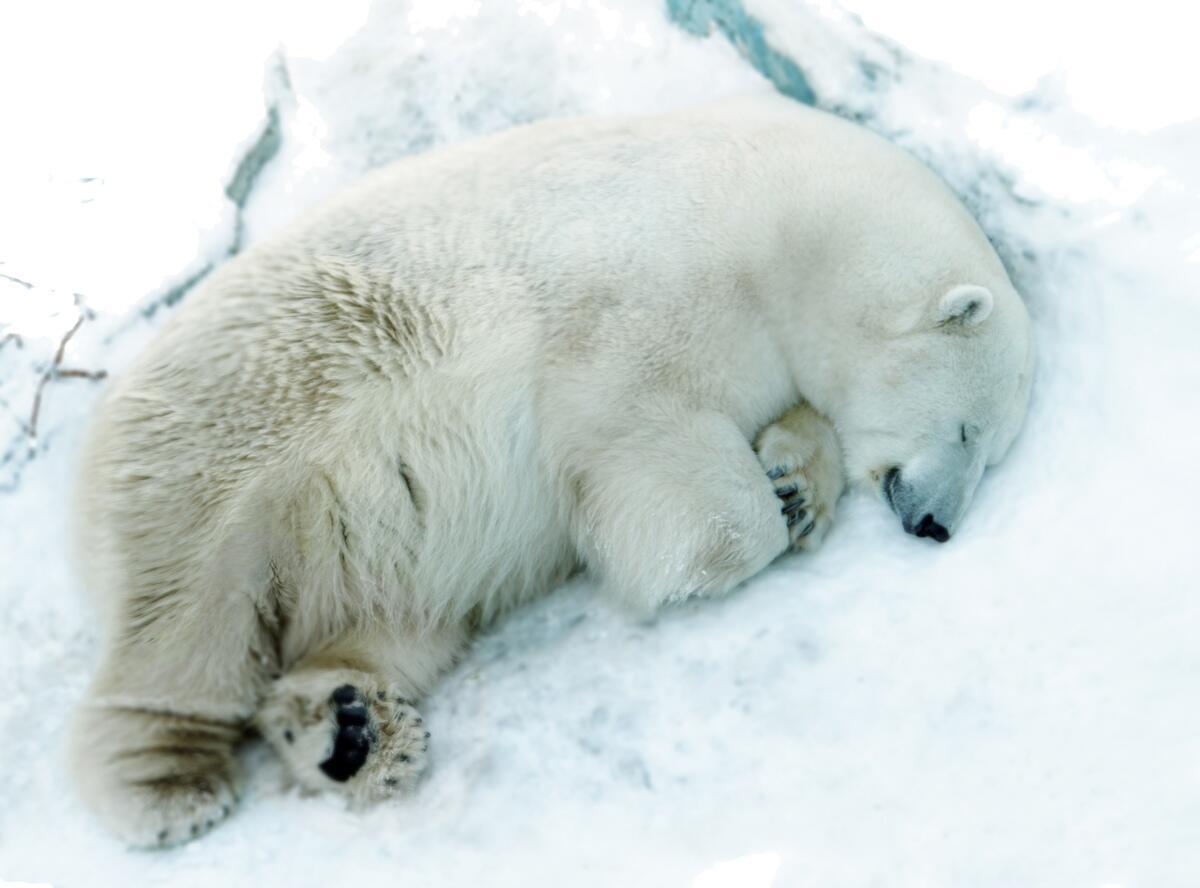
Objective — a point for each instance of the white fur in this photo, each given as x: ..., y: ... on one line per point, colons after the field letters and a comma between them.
x: 478, y: 370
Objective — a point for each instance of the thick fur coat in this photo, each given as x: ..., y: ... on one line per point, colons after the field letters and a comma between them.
x: 652, y: 347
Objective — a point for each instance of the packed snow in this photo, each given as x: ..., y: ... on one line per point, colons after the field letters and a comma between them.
x: 1017, y: 707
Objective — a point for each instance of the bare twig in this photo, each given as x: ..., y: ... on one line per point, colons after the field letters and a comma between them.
x: 57, y: 371
x: 16, y: 280
x: 62, y: 346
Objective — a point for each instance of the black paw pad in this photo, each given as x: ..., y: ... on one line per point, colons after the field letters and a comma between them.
x: 352, y: 744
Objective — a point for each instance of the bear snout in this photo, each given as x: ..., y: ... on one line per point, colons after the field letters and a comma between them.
x: 900, y: 496
x: 928, y: 527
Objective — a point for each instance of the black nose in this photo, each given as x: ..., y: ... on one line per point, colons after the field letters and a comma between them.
x: 927, y: 527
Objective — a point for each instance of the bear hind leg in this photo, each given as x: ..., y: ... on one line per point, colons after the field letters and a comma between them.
x: 152, y: 745
x: 156, y: 778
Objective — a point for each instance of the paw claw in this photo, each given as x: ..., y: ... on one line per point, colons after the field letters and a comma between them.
x: 800, y: 455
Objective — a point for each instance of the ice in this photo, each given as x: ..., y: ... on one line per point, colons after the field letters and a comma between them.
x: 1015, y: 708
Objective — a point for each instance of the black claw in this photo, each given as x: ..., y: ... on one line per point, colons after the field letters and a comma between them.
x: 426, y: 735
x: 195, y: 829
x: 289, y: 736
x: 792, y: 507
x: 162, y: 835
x: 808, y: 528
x: 787, y: 490
x: 795, y: 519
x: 776, y: 473
x: 224, y: 810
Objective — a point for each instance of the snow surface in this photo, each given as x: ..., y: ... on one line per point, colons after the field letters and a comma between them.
x: 1017, y: 708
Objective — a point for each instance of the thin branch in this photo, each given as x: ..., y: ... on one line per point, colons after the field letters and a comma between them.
x: 80, y: 374
x: 57, y: 371
x: 62, y: 346
x: 16, y: 280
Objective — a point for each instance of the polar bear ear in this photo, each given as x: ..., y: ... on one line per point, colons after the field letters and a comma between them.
x: 967, y: 305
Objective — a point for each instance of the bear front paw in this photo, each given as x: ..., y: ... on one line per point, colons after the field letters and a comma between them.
x: 808, y: 519
x: 801, y: 457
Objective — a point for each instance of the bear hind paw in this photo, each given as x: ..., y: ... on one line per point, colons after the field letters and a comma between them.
x: 346, y: 732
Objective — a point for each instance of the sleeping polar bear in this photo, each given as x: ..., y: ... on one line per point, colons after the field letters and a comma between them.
x: 652, y: 347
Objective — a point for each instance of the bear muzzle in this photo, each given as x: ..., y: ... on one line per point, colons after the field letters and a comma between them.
x: 916, y: 519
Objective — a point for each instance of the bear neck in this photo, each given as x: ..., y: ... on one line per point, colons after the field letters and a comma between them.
x: 820, y: 327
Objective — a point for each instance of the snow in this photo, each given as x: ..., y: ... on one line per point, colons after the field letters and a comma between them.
x: 1014, y: 708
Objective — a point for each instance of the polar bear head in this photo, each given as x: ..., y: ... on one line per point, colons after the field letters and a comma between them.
x: 935, y: 398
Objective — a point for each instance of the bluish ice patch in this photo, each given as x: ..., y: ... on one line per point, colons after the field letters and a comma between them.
x: 746, y: 33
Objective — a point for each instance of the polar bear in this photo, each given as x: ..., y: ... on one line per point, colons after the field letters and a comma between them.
x: 650, y: 347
